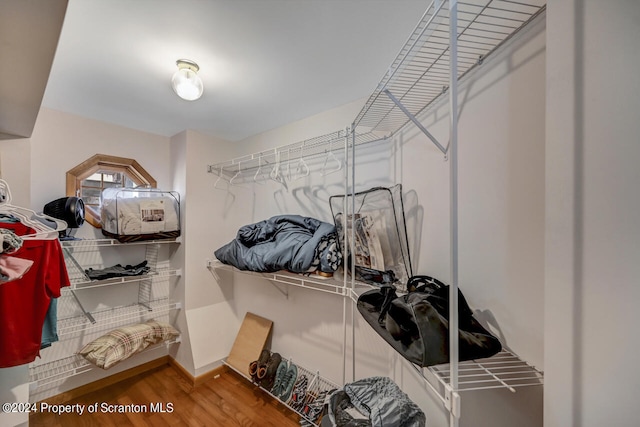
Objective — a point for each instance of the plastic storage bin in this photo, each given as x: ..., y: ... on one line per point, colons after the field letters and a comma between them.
x: 134, y: 214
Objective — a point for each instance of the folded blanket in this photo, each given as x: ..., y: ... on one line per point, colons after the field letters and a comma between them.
x: 283, y: 242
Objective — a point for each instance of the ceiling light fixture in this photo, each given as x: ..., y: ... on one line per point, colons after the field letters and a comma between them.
x: 185, y: 82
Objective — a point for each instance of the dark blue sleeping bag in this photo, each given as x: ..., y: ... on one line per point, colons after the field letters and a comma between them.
x: 283, y: 242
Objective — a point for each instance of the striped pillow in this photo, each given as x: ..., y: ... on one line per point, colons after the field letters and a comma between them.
x: 124, y: 342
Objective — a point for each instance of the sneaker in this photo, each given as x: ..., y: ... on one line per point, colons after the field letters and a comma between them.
x: 280, y: 374
x: 288, y: 382
x: 270, y: 369
x: 314, y: 406
x: 299, y: 393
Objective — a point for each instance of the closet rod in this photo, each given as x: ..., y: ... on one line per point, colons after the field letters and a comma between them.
x: 293, y: 151
x: 310, y: 148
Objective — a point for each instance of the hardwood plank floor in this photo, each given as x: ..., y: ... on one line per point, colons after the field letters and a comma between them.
x: 162, y: 397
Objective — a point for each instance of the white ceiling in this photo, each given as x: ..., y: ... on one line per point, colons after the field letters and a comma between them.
x: 264, y: 63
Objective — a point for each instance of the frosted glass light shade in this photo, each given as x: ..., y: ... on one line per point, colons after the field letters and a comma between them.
x: 185, y: 82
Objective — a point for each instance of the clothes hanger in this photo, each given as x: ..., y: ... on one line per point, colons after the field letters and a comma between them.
x: 335, y: 160
x: 302, y: 169
x: 275, y: 172
x: 288, y: 174
x: 28, y: 217
x: 256, y: 177
x: 237, y: 175
x: 215, y: 184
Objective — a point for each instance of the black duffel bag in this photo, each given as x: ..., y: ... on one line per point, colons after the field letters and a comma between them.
x: 416, y: 324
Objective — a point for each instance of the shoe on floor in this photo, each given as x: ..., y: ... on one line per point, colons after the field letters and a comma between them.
x: 299, y: 393
x: 280, y: 375
x: 290, y: 378
x: 254, y: 367
x: 271, y: 367
x: 314, y: 406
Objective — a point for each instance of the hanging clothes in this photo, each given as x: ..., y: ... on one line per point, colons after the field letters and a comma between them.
x: 24, y: 302
x: 50, y: 326
x: 13, y: 268
x: 9, y: 241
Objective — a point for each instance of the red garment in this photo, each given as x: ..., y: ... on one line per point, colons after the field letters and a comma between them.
x: 17, y: 227
x: 24, y: 302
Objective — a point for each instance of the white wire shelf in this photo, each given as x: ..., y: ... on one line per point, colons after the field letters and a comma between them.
x: 285, y: 162
x: 83, y: 284
x: 503, y: 370
x: 333, y: 285
x: 61, y: 369
x: 115, y: 317
x: 92, y: 244
x: 419, y: 74
x: 316, y: 385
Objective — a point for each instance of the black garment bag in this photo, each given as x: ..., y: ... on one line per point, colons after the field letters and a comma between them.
x: 416, y: 324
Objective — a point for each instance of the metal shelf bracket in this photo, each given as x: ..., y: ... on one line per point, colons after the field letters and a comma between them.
x: 85, y: 312
x: 415, y: 121
x: 285, y: 293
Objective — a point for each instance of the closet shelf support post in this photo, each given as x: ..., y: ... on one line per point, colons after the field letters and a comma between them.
x: 454, y: 355
x: 415, y: 121
x: 452, y: 401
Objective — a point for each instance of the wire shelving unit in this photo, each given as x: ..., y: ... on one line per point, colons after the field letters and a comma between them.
x: 451, y: 39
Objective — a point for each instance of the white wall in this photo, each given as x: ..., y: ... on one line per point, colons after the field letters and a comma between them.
x: 61, y: 141
x: 15, y: 169
x: 183, y: 353
x: 592, y: 200
x: 212, y: 325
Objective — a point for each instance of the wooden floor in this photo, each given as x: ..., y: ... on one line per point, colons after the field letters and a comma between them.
x: 228, y: 400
